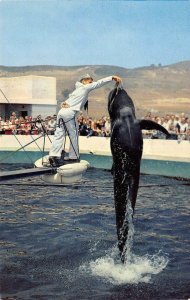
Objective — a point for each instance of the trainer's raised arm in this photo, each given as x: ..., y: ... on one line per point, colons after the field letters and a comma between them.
x: 92, y: 85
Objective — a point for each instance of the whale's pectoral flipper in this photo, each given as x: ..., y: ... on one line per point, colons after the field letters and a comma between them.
x: 151, y: 125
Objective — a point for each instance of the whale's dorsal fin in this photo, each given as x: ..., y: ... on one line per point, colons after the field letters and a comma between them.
x: 151, y: 125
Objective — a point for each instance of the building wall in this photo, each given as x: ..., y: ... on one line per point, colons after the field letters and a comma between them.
x: 16, y: 89
x: 35, y: 95
x: 28, y: 90
x: 43, y: 110
x: 44, y: 90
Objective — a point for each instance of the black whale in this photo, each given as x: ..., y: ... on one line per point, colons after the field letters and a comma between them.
x: 126, y: 148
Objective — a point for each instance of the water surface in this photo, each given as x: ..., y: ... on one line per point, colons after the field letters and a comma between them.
x: 60, y: 242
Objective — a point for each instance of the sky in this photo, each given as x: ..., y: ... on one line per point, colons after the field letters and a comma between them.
x: 93, y: 32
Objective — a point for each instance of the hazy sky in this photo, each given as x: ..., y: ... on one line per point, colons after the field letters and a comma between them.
x: 88, y: 32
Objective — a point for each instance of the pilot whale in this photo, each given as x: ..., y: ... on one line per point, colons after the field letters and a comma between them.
x: 126, y: 147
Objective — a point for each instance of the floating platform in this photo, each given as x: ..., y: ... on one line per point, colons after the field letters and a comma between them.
x: 6, y: 175
x: 66, y: 174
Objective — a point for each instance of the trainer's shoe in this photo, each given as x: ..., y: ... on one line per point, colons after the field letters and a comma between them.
x: 46, y: 164
x: 55, y: 161
x: 72, y: 161
x: 64, y: 155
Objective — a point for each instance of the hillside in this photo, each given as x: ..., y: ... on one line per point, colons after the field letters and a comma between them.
x: 158, y: 88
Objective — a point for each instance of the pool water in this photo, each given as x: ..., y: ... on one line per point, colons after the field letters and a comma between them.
x: 59, y: 242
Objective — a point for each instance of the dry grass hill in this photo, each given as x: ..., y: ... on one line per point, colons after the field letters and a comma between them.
x: 160, y: 89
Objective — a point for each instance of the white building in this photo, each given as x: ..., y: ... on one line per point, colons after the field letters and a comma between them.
x: 28, y: 95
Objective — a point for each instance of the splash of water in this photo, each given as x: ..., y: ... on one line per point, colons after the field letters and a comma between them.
x: 138, y: 269
x: 135, y: 268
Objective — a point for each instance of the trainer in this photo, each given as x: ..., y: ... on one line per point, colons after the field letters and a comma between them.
x: 67, y: 115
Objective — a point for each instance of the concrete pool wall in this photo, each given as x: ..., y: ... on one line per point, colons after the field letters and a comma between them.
x: 163, y: 157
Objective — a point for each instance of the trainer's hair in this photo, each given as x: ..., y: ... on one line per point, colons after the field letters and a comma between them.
x: 86, y: 106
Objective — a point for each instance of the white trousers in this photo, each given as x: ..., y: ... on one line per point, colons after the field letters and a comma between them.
x: 70, y: 121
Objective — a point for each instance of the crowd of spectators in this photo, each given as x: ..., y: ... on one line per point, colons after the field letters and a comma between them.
x: 94, y: 127
x: 177, y: 125
x: 27, y: 125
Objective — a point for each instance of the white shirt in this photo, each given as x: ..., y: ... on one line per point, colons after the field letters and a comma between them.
x: 166, y: 125
x: 79, y: 96
x: 183, y: 127
x: 107, y: 126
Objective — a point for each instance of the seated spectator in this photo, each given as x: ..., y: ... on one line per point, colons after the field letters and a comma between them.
x: 90, y: 130
x: 21, y: 126
x: 2, y: 128
x: 34, y: 128
x: 45, y: 124
x: 27, y: 125
x: 39, y: 124
x: 107, y: 127
x: 188, y: 134
x: 52, y: 125
x: 100, y: 124
x: 172, y: 129
x: 83, y: 128
x: 8, y: 126
x: 97, y: 131
x: 173, y: 132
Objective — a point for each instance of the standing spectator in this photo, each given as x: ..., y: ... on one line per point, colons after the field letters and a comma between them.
x: 158, y: 120
x: 168, y: 119
x: 183, y: 128
x: 166, y: 123
x: 176, y: 120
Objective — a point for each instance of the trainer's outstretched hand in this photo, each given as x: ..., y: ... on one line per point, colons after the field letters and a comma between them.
x: 117, y: 79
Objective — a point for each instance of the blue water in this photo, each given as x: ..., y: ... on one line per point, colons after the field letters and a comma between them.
x: 60, y: 242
